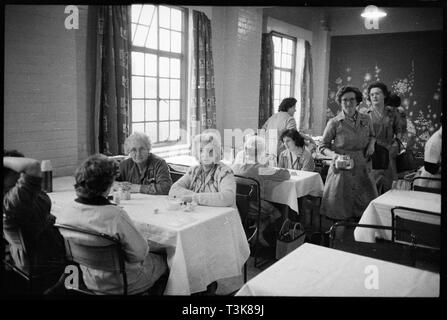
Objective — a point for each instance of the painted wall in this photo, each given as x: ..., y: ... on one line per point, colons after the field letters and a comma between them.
x: 46, y: 88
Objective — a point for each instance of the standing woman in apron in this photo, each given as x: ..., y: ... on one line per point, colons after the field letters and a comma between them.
x: 347, y: 192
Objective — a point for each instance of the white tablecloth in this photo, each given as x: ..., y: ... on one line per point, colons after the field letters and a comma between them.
x: 378, y: 212
x: 299, y: 185
x: 318, y: 271
x: 203, y: 246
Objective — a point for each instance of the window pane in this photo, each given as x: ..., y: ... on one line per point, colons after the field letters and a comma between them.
x: 285, y: 77
x: 287, y: 46
x: 175, y: 68
x: 285, y: 91
x: 164, y: 110
x: 164, y: 88
x: 286, y: 61
x: 146, y: 15
x: 138, y: 63
x: 136, y: 8
x: 152, y: 39
x: 174, y: 133
x: 134, y: 27
x: 174, y: 110
x: 151, y: 87
x: 276, y: 92
x: 165, y: 17
x: 176, y: 19
x: 277, y: 44
x: 151, y: 64
x: 176, y: 42
x: 151, y: 130
x: 151, y: 110
x: 277, y: 59
x: 277, y: 77
x: 137, y: 87
x: 164, y: 67
x: 140, y: 36
x: 175, y: 89
x: 165, y: 39
x: 137, y: 110
x: 276, y: 105
x: 163, y: 130
x: 137, y: 127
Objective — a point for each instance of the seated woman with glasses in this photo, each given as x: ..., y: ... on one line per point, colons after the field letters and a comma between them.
x: 255, y: 150
x: 92, y: 211
x: 211, y: 183
x: 146, y: 172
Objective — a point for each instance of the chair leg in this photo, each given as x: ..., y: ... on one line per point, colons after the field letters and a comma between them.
x: 245, y: 272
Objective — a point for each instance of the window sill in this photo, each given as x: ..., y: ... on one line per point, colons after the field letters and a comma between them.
x: 170, y: 151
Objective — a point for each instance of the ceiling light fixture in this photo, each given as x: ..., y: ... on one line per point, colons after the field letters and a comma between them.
x: 372, y: 12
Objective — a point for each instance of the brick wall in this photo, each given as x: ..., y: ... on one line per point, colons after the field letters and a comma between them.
x: 46, y: 91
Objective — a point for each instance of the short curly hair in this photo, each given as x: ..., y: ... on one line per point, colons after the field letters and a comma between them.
x: 382, y: 87
x: 94, y: 176
x: 345, y: 89
x: 137, y: 136
x: 294, y: 135
x: 204, y: 139
x: 286, y: 104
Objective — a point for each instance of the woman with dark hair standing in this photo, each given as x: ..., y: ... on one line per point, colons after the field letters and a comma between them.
x: 387, y: 128
x: 280, y: 121
x: 348, y: 191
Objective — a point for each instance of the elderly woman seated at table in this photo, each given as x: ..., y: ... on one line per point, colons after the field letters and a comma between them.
x: 252, y: 168
x: 92, y: 211
x: 146, y: 172
x: 211, y: 183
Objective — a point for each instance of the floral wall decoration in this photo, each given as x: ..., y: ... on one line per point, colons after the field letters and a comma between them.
x: 408, y: 63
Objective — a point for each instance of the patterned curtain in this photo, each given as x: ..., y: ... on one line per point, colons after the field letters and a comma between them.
x: 306, y: 90
x: 203, y: 104
x: 266, y: 85
x: 113, y: 45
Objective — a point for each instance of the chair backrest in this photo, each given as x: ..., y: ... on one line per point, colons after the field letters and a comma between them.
x: 381, y: 249
x: 430, y: 189
x: 23, y: 263
x: 428, y: 234
x: 94, y: 250
x: 177, y: 171
x: 247, y: 190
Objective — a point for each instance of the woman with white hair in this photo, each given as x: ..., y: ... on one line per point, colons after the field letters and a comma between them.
x: 253, y: 168
x: 211, y: 183
x: 146, y: 172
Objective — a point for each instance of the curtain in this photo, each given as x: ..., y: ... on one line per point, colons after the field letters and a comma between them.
x: 306, y: 90
x: 266, y: 84
x: 112, y: 91
x: 203, y: 104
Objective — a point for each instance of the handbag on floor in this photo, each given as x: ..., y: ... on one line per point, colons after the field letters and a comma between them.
x: 290, y: 237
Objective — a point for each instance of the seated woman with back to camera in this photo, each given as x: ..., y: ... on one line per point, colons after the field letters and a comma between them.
x: 211, y: 183
x: 92, y: 211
